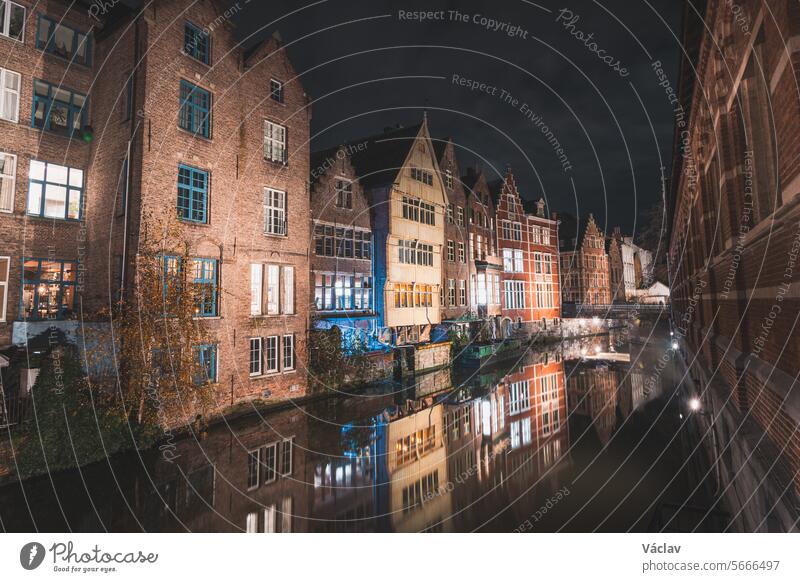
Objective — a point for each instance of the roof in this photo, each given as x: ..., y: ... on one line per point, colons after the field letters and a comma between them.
x: 572, y: 228
x: 380, y: 158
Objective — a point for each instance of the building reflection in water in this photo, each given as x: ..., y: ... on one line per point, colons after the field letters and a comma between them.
x: 437, y: 454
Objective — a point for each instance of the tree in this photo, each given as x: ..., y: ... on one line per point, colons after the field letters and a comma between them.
x: 162, y: 348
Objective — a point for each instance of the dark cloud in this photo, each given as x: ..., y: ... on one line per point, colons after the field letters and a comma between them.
x: 379, y: 67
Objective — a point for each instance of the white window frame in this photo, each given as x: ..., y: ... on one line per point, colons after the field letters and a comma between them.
x: 260, y: 371
x: 275, y: 207
x: 288, y: 442
x: 4, y: 286
x: 288, y: 340
x: 5, y: 89
x: 276, y: 369
x: 270, y: 522
x: 263, y: 458
x: 13, y: 179
x: 251, y: 523
x: 5, y: 25
x: 274, y: 142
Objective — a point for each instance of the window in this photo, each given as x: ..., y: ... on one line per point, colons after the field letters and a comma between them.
x: 451, y: 292
x: 545, y: 236
x: 271, y: 354
x: 460, y: 216
x: 422, y: 176
x: 508, y: 260
x: 256, y: 356
x: 58, y: 109
x: 515, y: 294
x: 274, y: 212
x: 462, y: 257
x: 338, y: 242
x: 288, y: 290
x: 536, y: 235
x: 63, y: 41
x: 205, y: 364
x: 8, y: 181
x: 275, y: 143
x: 253, y: 476
x: 462, y: 292
x: 448, y: 178
x: 418, y: 211
x: 12, y: 19
x: 196, y: 43
x: 269, y: 303
x: 10, y: 83
x: 342, y: 292
x: 205, y: 281
x: 496, y: 296
x: 407, y: 295
x: 288, y: 352
x: 252, y: 522
x: 415, y: 253
x: 273, y: 289
x: 5, y: 267
x: 481, y: 284
x: 344, y: 194
x: 415, y: 445
x: 276, y: 90
x: 54, y: 191
x: 450, y: 212
x: 269, y: 463
x: 451, y: 251
x: 519, y: 397
x: 518, y: 261
x: 195, y: 109
x: 287, y: 453
x: 192, y: 194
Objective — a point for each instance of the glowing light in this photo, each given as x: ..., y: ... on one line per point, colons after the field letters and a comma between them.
x: 583, y: 351
x: 694, y: 404
x: 671, y: 333
x: 596, y: 349
x: 674, y: 345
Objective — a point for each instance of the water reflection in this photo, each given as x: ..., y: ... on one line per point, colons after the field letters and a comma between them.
x: 442, y: 453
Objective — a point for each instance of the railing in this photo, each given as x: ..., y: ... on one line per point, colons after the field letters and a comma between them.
x: 13, y: 410
x: 586, y: 309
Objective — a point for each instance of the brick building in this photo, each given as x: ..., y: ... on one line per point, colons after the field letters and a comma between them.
x: 178, y: 135
x: 543, y: 267
x: 485, y: 283
x: 341, y: 261
x: 735, y: 213
x: 45, y: 76
x: 458, y: 260
x: 585, y: 276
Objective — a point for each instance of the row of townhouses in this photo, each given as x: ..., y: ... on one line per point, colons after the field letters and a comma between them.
x: 406, y: 247
x: 112, y: 128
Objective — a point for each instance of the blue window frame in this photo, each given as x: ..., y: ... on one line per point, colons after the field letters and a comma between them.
x: 205, y: 281
x: 58, y: 109
x: 205, y: 364
x: 195, y: 109
x: 196, y: 43
x: 48, y: 288
x: 63, y: 41
x: 55, y: 191
x: 192, y: 194
x: 171, y: 270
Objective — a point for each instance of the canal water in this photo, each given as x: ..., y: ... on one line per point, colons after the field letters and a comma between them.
x: 590, y: 435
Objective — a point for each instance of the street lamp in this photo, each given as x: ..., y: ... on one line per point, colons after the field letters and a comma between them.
x: 674, y: 345
x: 694, y: 404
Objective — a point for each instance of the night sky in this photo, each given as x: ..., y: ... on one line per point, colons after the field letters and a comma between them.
x: 367, y: 68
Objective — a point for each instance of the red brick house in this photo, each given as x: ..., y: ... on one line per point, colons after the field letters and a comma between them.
x: 585, y: 276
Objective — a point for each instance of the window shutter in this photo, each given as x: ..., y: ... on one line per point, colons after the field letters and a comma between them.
x: 256, y: 285
x: 285, y: 145
x: 288, y: 290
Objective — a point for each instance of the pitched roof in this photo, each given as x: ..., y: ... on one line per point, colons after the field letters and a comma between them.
x: 379, y: 160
